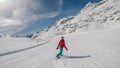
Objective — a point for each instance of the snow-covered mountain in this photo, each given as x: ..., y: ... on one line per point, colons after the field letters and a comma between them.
x: 7, y: 35
x: 94, y: 16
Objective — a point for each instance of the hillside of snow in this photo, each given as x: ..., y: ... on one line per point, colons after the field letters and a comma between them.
x: 94, y: 16
x: 85, y: 50
x: 92, y: 38
x: 10, y: 44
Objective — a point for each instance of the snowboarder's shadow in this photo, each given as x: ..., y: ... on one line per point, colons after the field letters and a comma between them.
x: 75, y: 57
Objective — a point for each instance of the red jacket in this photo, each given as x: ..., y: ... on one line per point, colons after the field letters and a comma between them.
x: 62, y: 44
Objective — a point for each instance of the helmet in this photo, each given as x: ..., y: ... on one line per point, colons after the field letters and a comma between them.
x: 62, y: 37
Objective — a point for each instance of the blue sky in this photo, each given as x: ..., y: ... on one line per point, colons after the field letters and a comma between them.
x: 27, y: 16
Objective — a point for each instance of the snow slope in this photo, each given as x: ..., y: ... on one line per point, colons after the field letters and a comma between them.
x: 99, y: 49
x: 93, y: 17
x: 9, y: 45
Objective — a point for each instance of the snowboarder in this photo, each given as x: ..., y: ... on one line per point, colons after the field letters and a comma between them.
x: 61, y: 45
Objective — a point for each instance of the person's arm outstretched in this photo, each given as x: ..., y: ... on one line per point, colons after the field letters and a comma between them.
x: 65, y: 46
x: 58, y: 45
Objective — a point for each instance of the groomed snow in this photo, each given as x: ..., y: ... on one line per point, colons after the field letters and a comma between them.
x: 94, y: 41
x: 99, y: 49
x: 9, y: 45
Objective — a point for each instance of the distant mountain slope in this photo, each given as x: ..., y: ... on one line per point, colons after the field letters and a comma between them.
x: 94, y: 16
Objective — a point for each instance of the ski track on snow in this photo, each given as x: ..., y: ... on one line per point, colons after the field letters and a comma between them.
x: 87, y: 55
x: 16, y: 51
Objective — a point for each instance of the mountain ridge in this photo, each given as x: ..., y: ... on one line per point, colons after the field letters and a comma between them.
x: 94, y: 16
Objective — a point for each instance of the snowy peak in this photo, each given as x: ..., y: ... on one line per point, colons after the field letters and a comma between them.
x: 94, y: 16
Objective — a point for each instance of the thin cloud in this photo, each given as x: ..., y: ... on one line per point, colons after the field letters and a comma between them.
x: 15, y: 15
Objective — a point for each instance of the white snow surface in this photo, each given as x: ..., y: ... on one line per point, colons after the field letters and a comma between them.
x: 11, y: 43
x: 99, y: 49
